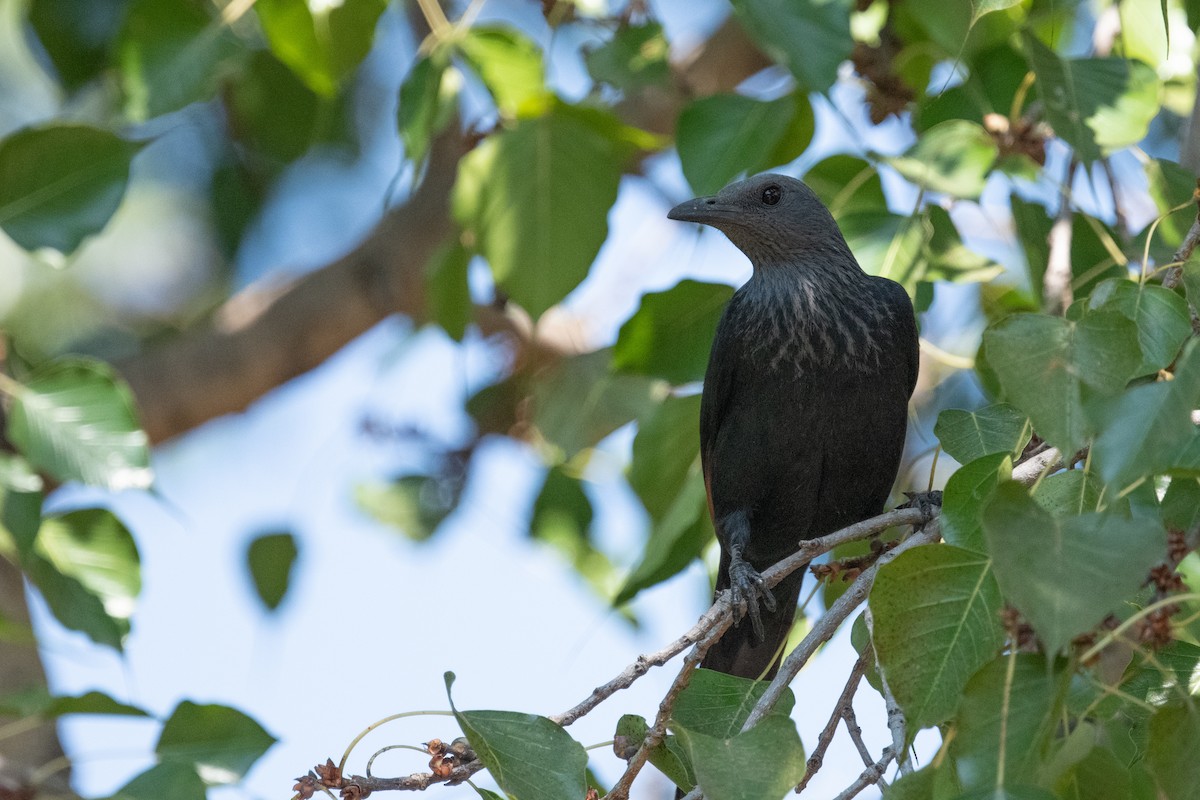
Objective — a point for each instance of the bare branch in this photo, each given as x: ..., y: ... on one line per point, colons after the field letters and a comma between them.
x: 1056, y: 282
x: 871, y: 775
x: 897, y: 724
x: 844, y: 704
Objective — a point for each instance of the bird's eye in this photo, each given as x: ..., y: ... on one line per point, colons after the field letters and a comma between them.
x: 771, y: 195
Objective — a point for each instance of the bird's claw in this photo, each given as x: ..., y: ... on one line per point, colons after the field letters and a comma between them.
x: 747, y: 591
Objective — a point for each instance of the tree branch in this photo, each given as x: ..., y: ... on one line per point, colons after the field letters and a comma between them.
x: 844, y: 703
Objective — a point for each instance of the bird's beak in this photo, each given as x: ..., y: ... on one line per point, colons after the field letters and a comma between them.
x: 705, y: 210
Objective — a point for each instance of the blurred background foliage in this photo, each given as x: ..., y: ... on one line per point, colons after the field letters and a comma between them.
x: 1024, y: 168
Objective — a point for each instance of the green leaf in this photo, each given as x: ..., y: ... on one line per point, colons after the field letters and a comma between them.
x: 1100, y: 775
x: 20, y: 507
x: 1174, y: 752
x: 947, y: 258
x: 562, y: 517
x: 271, y: 558
x: 578, y: 402
x: 964, y: 496
x: 173, y: 53
x: 888, y: 244
x: 175, y: 780
x: 668, y: 757
x: 72, y: 604
x: 1097, y: 105
x: 1144, y: 30
x: 92, y: 546
x: 671, y: 333
x: 1066, y: 574
x: 76, y: 40
x: 42, y: 704
x: 968, y: 435
x: 677, y: 538
x: 1009, y: 707
x: 1046, y: 365
x: 810, y: 39
x: 1181, y: 504
x: 665, y: 451
x: 510, y: 65
x: 529, y: 756
x: 717, y: 705
x: 634, y: 58
x: 536, y: 199
x: 936, y: 612
x: 322, y: 47
x: 722, y: 136
x: 448, y: 290
x: 428, y: 99
x: 75, y: 419
x: 1161, y: 317
x: 415, y: 505
x: 1147, y: 429
x: 61, y: 183
x: 952, y: 157
x: 764, y: 763
x: 1071, y: 493
x: 847, y: 184
x: 220, y: 742
x: 981, y: 7
x: 274, y: 111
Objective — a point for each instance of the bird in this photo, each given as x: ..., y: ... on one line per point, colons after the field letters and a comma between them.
x: 804, y: 406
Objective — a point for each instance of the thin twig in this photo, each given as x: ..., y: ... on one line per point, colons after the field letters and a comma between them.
x: 844, y: 703
x: 871, y: 775
x: 855, y: 732
x: 897, y: 724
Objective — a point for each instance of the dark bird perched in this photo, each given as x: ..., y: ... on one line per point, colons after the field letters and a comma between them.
x: 805, y: 400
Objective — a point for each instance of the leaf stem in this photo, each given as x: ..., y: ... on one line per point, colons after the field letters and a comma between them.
x: 385, y: 720
x: 1112, y: 635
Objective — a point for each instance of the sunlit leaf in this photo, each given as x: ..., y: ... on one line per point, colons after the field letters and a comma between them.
x: 220, y: 742
x: 635, y: 57
x: 75, y: 419
x: 536, y: 199
x: 321, y: 46
x: 953, y: 158
x: 510, y: 65
x: 92, y: 546
x: 846, y: 184
x: 428, y: 98
x: 61, y: 183
x: 968, y: 435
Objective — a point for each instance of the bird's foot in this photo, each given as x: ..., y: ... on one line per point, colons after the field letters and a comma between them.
x: 748, y: 592
x: 928, y: 503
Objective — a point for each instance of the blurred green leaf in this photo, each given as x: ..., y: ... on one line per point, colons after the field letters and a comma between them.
x: 764, y: 763
x: 1147, y: 429
x: 1169, y: 186
x: 92, y: 546
x: 42, y: 704
x: 74, y: 605
x: 634, y: 58
x: 77, y: 35
x: 20, y: 506
x: 676, y: 538
x: 415, y: 505
x: 562, y: 517
x: 428, y: 99
x: 671, y: 333
x: 1073, y: 492
x: 1048, y: 366
x: 529, y: 756
x: 171, y: 779
x: 448, y: 291
x: 220, y: 742
x: 1066, y: 574
x: 1100, y: 775
x: 847, y: 184
x: 888, y: 244
x: 173, y: 53
x: 1174, y: 752
x: 810, y: 39
x: 665, y: 451
x: 717, y: 705
x: 536, y: 200
x: 1097, y: 105
x: 945, y: 256
x: 963, y: 498
x: 510, y: 64
x: 1181, y: 504
x: 324, y: 46
x: 1161, y: 317
x: 952, y: 157
x: 1009, y: 707
x: 60, y: 183
x: 721, y: 136
x: 968, y: 435
x: 936, y: 613
x: 76, y: 419
x: 274, y: 111
x: 270, y: 559
x: 1144, y: 30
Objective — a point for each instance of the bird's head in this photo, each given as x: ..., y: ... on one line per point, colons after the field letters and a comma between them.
x: 770, y: 217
